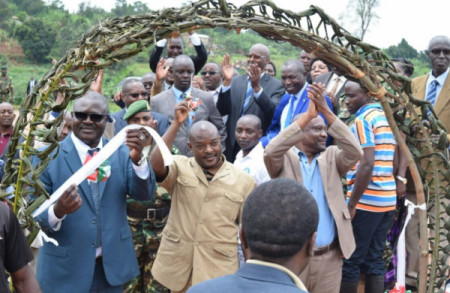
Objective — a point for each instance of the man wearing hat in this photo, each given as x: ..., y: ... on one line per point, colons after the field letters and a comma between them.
x: 146, y: 218
x: 6, y: 87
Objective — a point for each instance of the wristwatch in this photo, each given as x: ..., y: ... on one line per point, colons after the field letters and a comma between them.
x: 402, y: 179
x: 141, y: 161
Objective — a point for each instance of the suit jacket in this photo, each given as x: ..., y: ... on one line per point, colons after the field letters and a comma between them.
x: 442, y: 106
x: 69, y: 267
x: 200, y: 238
x: 250, y: 278
x: 119, y: 123
x: 301, y: 107
x: 199, y: 60
x: 282, y: 161
x: 165, y: 103
x: 231, y: 103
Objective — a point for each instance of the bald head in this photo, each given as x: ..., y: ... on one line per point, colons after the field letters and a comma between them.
x: 259, y: 55
x: 202, y: 128
x: 91, y: 97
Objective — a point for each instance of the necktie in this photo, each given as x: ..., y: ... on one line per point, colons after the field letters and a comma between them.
x: 333, y: 91
x: 93, y: 185
x: 248, y: 96
x: 290, y: 112
x: 431, y: 95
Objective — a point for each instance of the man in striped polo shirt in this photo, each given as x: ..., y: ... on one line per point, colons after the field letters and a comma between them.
x: 371, y: 191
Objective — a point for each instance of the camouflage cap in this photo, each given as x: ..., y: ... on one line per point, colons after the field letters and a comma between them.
x: 136, y: 107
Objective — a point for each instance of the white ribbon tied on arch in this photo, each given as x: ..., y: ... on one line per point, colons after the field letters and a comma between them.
x: 102, y: 156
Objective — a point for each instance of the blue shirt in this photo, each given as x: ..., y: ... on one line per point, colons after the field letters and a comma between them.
x: 312, y: 180
x: 178, y: 99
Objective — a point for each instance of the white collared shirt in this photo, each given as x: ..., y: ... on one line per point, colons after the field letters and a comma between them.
x: 253, y: 164
x: 332, y: 82
x: 286, y: 108
x: 440, y: 79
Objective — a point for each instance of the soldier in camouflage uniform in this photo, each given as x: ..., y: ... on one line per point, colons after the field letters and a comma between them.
x: 146, y: 218
x: 6, y: 87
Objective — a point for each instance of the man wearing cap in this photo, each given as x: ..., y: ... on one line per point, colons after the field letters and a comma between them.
x: 146, y: 218
x: 6, y: 86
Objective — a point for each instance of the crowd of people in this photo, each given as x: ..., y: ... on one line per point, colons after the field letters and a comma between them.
x: 286, y: 185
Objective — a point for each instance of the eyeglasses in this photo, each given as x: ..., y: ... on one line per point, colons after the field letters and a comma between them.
x: 439, y: 51
x: 136, y: 95
x: 93, y: 117
x: 204, y: 73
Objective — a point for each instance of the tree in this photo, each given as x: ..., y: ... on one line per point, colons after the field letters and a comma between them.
x: 36, y: 38
x: 362, y: 13
x: 402, y: 50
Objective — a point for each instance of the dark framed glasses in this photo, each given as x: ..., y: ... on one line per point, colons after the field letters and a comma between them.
x: 438, y: 51
x: 93, y: 117
x: 136, y: 95
x: 204, y: 73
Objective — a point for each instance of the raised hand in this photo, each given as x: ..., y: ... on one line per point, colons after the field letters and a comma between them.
x: 227, y: 69
x: 136, y: 140
x: 161, y: 71
x: 254, y: 74
x: 182, y: 111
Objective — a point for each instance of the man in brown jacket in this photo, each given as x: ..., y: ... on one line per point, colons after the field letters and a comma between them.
x: 199, y: 241
x: 299, y: 153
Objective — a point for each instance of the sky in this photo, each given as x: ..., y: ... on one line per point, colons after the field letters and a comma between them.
x: 415, y: 21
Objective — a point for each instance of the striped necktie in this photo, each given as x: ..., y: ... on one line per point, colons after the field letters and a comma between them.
x: 290, y: 112
x: 248, y: 96
x: 431, y: 95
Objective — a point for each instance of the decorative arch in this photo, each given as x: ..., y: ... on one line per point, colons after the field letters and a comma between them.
x: 117, y: 39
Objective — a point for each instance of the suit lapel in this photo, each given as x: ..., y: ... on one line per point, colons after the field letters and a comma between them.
x: 243, y: 84
x: 443, y: 98
x: 302, y: 103
x: 73, y: 162
x: 102, y: 184
x: 321, y: 160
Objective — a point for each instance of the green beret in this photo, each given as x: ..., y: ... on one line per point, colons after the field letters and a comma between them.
x: 4, y: 67
x: 136, y: 107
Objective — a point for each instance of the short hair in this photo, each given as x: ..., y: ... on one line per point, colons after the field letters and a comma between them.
x: 407, y: 66
x: 91, y: 96
x: 273, y: 66
x: 279, y: 217
x: 252, y: 117
x: 182, y: 58
x: 130, y: 80
x: 318, y: 59
x: 438, y: 38
x: 297, y: 64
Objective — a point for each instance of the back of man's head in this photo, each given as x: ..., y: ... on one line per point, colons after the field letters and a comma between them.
x: 279, y: 218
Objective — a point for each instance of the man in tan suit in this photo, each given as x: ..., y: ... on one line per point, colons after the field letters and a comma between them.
x: 435, y: 88
x: 299, y: 153
x: 437, y: 80
x: 199, y: 241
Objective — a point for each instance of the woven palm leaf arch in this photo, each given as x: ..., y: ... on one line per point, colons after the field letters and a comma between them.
x: 117, y: 39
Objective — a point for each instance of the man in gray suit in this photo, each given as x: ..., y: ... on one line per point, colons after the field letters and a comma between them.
x: 133, y: 90
x: 201, y: 103
x: 252, y: 93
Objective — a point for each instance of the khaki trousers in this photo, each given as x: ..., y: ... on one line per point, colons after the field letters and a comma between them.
x: 323, y: 273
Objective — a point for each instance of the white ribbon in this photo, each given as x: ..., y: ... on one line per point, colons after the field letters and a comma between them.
x: 102, y: 156
x: 401, y: 247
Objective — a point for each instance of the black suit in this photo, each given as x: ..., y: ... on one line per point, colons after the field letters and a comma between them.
x: 231, y: 103
x: 199, y: 60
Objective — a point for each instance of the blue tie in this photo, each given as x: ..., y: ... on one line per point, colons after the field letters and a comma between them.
x: 290, y: 112
x: 431, y: 95
x: 248, y: 95
x: 95, y: 194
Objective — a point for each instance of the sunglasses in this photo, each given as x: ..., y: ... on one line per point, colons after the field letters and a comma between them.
x: 136, y: 95
x: 204, y: 73
x: 93, y: 117
x: 439, y: 51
